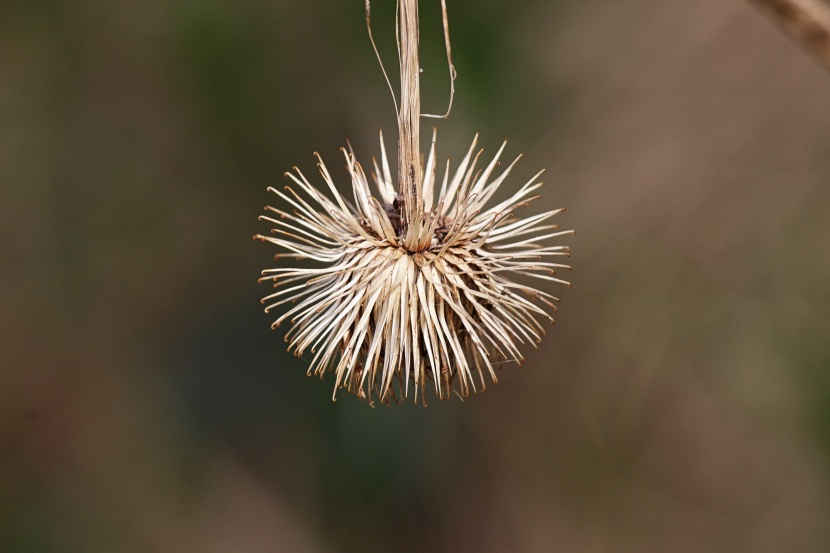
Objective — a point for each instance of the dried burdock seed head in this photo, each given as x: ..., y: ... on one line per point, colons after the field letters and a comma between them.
x: 412, y: 288
x: 430, y: 301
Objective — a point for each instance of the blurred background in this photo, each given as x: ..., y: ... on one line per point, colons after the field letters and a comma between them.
x: 682, y: 402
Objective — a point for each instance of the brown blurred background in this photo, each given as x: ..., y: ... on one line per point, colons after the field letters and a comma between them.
x: 682, y: 403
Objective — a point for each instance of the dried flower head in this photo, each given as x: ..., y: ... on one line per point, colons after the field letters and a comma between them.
x: 412, y: 294
x: 413, y: 287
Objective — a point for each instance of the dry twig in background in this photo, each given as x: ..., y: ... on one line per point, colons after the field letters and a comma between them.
x: 808, y: 21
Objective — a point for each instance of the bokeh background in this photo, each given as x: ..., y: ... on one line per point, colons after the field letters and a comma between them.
x: 681, y: 403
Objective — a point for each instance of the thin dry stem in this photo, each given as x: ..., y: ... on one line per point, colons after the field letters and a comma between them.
x: 808, y: 21
x: 377, y: 54
x: 446, y: 23
x: 409, y: 156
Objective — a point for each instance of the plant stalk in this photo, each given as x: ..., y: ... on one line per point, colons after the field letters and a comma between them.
x: 409, y: 116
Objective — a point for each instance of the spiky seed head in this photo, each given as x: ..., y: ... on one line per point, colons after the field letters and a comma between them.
x: 427, y: 303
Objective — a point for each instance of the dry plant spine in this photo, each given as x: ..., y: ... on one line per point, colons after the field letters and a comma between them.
x: 413, y: 287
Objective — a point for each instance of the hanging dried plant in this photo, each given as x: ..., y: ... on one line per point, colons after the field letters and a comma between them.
x: 413, y: 287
